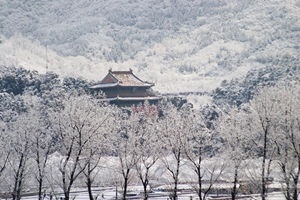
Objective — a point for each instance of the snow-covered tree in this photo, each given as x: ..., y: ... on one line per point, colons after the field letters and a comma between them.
x: 148, y: 142
x: 99, y: 145
x: 5, y: 152
x: 20, y: 132
x: 173, y: 129
x: 76, y: 125
x: 287, y: 137
x: 11, y: 106
x: 41, y: 138
x: 264, y: 107
x: 124, y: 146
x: 235, y: 128
x: 23, y: 117
x: 201, y: 144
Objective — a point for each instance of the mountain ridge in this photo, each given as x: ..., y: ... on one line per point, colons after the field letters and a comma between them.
x: 181, y: 46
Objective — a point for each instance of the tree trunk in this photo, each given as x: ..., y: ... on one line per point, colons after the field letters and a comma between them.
x: 41, y: 168
x: 125, y: 183
x: 67, y: 195
x: 199, y: 182
x: 145, y: 184
x: 144, y: 180
x: 18, y: 179
x: 175, y: 189
x: 199, y: 173
x: 175, y: 195
x: 235, y: 181
x: 286, y: 176
x: 296, y: 181
x: 40, y: 188
x: 295, y: 192
x: 89, y: 186
x: 263, y: 176
x: 89, y: 181
x: 263, y: 182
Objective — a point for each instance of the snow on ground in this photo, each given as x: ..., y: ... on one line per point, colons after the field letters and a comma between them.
x: 108, y: 173
x: 111, y: 194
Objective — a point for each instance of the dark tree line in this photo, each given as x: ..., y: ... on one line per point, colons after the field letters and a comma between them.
x: 17, y: 81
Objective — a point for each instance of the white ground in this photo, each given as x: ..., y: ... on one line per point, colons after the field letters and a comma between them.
x: 110, y: 194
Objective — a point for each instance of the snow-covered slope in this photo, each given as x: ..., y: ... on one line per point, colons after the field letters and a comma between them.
x: 187, y: 45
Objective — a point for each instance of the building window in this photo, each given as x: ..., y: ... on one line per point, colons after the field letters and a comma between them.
x: 133, y: 90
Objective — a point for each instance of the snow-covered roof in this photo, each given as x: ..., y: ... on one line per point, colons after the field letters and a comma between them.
x: 133, y: 98
x: 121, y: 78
x: 107, y: 85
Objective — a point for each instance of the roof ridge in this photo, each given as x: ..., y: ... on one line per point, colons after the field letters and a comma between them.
x: 120, y: 71
x: 123, y: 79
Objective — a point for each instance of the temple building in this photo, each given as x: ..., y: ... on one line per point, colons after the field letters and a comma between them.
x: 124, y: 89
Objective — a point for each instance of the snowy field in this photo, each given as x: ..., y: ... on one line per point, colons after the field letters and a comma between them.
x: 110, y: 194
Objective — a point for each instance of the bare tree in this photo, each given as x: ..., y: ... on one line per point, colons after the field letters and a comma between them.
x: 76, y: 125
x: 148, y: 144
x: 172, y: 128
x: 27, y: 142
x: 20, y: 132
x: 99, y: 145
x: 264, y: 106
x: 5, y: 152
x: 124, y: 147
x: 201, y: 144
x: 93, y: 159
x: 287, y: 138
x: 235, y: 126
x: 41, y: 139
x: 42, y: 143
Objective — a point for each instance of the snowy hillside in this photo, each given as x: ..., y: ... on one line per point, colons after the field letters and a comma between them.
x: 188, y: 45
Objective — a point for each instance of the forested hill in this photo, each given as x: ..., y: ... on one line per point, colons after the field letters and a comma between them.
x: 241, y: 90
x: 182, y: 46
x: 17, y: 81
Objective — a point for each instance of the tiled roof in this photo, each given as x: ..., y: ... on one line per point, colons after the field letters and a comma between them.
x: 127, y: 78
x: 121, y: 78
